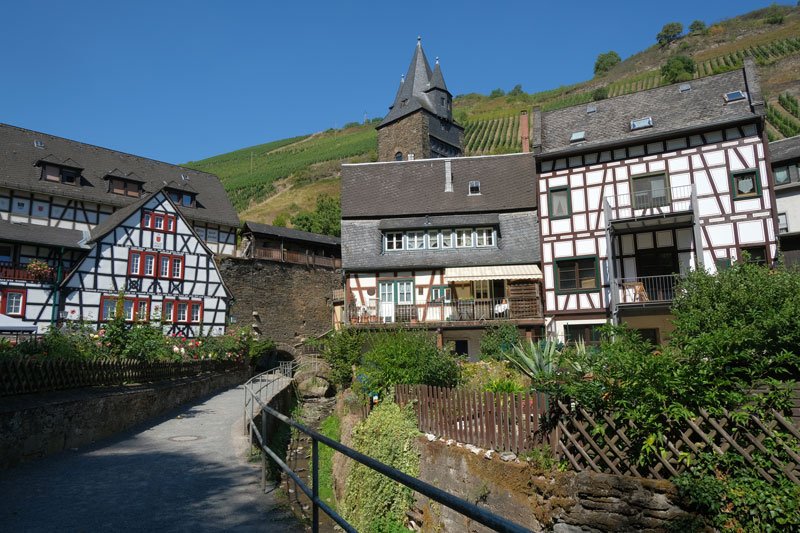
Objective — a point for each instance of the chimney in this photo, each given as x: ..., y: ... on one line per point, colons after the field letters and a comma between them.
x: 524, y: 131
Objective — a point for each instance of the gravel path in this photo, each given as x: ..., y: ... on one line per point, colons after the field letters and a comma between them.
x: 184, y: 472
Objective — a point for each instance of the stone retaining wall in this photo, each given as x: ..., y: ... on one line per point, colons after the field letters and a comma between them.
x: 564, y: 502
x: 34, y: 426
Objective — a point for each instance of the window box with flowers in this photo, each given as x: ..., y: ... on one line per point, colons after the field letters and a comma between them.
x: 40, y: 271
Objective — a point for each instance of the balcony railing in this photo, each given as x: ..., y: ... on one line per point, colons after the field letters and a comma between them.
x: 375, y: 312
x: 652, y: 202
x: 19, y: 272
x: 647, y: 289
x: 297, y: 258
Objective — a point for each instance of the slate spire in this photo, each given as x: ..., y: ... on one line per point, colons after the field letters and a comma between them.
x: 437, y: 80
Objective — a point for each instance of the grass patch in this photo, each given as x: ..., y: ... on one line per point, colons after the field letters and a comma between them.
x: 331, y: 428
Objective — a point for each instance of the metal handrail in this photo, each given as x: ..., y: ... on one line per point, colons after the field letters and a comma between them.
x: 470, y: 510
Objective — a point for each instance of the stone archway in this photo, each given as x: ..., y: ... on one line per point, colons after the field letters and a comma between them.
x: 281, y: 352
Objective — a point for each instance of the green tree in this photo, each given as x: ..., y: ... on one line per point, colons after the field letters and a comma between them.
x: 497, y: 93
x: 325, y: 219
x: 678, y: 68
x: 670, y: 32
x: 499, y: 339
x: 516, y: 91
x: 342, y: 350
x: 606, y: 62
x: 698, y: 26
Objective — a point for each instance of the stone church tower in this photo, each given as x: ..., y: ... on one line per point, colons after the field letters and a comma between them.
x: 420, y: 121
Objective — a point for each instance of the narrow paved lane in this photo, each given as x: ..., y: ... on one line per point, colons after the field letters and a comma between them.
x: 184, y: 472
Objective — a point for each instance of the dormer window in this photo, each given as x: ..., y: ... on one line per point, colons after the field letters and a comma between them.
x: 68, y: 176
x: 125, y: 187
x: 182, y: 198
x: 735, y: 96
x: 398, y: 156
x: 641, y: 123
x: 684, y: 88
x: 474, y: 187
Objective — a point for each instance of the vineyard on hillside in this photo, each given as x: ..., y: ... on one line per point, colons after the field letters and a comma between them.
x: 249, y: 174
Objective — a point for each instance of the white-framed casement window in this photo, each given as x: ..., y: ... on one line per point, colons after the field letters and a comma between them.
x: 474, y: 187
x: 415, y: 240
x: 463, y: 238
x: 13, y: 303
x: 405, y: 292
x: 149, y: 265
x: 783, y: 223
x: 484, y: 237
x: 481, y: 289
x: 447, y: 238
x: 183, y: 312
x: 393, y: 241
x: 128, y: 306
x: 441, y: 294
x: 433, y: 240
x: 166, y: 313
x: 196, y: 313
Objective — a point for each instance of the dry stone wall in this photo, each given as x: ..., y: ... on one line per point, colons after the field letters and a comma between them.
x: 563, y: 502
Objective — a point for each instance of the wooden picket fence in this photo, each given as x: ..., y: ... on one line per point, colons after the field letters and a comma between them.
x: 499, y: 421
x: 520, y: 422
x: 23, y: 377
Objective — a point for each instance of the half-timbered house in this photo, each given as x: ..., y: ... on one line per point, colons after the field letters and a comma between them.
x: 446, y: 244
x: 74, y: 217
x: 635, y: 190
x: 785, y: 158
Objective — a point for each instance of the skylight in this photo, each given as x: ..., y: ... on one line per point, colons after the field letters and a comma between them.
x: 684, y: 87
x: 641, y: 123
x: 735, y: 96
x: 38, y: 144
x: 578, y: 136
x: 591, y: 109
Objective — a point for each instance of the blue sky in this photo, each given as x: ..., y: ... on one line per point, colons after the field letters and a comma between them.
x: 185, y: 80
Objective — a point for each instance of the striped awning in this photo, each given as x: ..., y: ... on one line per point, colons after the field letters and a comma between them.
x: 492, y: 272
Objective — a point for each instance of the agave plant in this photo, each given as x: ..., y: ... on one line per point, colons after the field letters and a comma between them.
x: 538, y: 360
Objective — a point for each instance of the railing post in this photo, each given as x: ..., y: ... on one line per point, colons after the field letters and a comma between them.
x: 315, y: 485
x: 263, y: 453
x: 697, y: 232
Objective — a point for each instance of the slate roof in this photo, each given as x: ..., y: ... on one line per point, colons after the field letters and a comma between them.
x: 446, y: 221
x: 18, y: 170
x: 292, y: 234
x: 413, y: 89
x: 118, y: 217
x: 42, y: 235
x: 517, y: 244
x: 784, y: 150
x: 416, y: 188
x: 671, y: 110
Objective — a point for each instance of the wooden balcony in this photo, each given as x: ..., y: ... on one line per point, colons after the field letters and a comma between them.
x: 297, y: 258
x: 460, y: 312
x: 18, y: 272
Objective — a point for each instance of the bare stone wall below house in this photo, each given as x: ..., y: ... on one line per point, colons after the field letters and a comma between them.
x: 292, y: 302
x: 564, y: 502
x: 37, y: 425
x: 408, y: 135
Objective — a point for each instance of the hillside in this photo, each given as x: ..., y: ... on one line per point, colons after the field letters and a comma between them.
x: 285, y: 176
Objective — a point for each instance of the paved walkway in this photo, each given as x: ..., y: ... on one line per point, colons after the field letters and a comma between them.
x: 184, y: 472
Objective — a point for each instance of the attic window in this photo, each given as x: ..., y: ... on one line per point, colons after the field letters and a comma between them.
x: 64, y: 175
x: 38, y: 144
x: 125, y: 187
x: 403, y: 102
x: 735, y: 96
x: 181, y: 198
x: 474, y: 187
x: 578, y: 136
x: 641, y: 123
x: 591, y: 109
x: 684, y: 87
x: 184, y: 177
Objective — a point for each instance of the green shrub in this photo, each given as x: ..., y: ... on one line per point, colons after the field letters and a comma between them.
x: 342, y: 350
x: 406, y: 356
x: 331, y: 428
x: 678, y: 68
x: 504, y: 385
x: 145, y: 342
x: 698, y: 26
x: 498, y: 339
x: 601, y: 93
x: 373, y: 502
x: 606, y: 62
x: 479, y: 376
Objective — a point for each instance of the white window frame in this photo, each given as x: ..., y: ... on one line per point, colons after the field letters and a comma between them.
x: 783, y: 223
x: 477, y: 185
x: 464, y: 238
x: 149, y: 265
x: 195, y: 313
x: 135, y: 263
x: 447, y: 239
x: 433, y: 240
x: 415, y: 240
x: 182, y: 312
x: 396, y: 240
x: 14, y: 303
x: 484, y: 237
